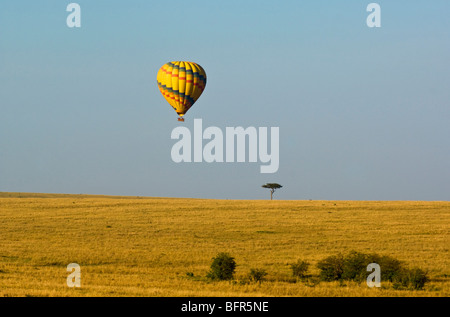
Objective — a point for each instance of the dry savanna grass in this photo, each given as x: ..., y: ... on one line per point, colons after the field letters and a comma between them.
x: 139, y: 246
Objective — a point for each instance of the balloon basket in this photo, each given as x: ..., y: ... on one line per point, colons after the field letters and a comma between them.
x: 181, y: 119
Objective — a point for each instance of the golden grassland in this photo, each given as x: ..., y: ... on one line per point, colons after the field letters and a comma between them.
x: 140, y: 246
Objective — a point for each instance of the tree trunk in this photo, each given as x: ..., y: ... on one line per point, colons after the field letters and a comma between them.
x: 271, y: 194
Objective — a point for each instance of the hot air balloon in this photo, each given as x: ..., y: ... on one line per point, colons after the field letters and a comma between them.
x: 181, y: 83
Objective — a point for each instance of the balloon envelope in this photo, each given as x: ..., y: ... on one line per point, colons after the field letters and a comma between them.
x: 181, y: 83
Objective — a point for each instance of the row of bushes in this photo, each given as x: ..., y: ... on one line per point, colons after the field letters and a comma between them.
x: 352, y: 266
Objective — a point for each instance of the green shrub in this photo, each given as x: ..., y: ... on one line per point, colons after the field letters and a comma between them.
x: 411, y: 278
x: 257, y: 275
x: 331, y: 268
x: 390, y: 268
x: 417, y: 278
x: 300, y: 269
x: 354, y: 266
x: 222, y: 267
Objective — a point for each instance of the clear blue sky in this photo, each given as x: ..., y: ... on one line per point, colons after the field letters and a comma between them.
x: 363, y: 113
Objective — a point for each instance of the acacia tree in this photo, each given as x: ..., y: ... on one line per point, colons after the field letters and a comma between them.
x: 273, y: 187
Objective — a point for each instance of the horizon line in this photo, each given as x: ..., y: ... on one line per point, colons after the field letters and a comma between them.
x: 36, y: 194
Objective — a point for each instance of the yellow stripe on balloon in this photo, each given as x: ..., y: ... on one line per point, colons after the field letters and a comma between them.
x: 181, y: 84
